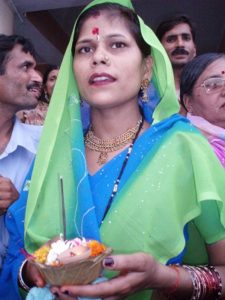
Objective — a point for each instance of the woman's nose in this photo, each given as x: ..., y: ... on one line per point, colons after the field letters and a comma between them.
x: 100, y: 57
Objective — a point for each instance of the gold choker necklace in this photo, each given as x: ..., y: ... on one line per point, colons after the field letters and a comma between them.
x: 105, y: 146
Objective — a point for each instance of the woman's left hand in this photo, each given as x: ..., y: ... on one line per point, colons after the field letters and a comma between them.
x: 137, y: 272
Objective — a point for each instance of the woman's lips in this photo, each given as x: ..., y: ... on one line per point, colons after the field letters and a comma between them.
x: 101, y: 79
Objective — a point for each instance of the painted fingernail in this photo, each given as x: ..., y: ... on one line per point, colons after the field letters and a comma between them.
x: 56, y: 294
x: 66, y: 292
x: 108, y: 262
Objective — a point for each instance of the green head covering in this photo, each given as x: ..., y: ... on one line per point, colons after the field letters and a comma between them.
x: 63, y: 131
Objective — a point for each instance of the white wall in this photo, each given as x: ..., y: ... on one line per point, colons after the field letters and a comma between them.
x: 6, y: 18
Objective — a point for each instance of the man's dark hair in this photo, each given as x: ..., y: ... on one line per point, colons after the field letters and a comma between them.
x: 7, y: 43
x: 171, y: 22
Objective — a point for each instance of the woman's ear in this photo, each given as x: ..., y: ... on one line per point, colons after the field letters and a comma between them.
x: 148, y: 64
x: 187, y: 103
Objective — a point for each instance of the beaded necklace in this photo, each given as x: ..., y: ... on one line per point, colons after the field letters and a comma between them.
x: 117, y: 182
x: 105, y: 146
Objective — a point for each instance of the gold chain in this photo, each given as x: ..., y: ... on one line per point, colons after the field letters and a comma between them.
x: 105, y: 146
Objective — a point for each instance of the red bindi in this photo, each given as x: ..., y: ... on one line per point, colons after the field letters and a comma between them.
x: 95, y: 30
x: 223, y: 72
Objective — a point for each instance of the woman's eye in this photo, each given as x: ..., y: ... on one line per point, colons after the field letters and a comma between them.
x: 118, y: 45
x: 210, y: 85
x: 214, y: 84
x: 84, y: 50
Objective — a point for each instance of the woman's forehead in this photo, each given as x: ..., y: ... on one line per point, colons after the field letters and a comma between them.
x: 110, y: 19
x: 217, y: 67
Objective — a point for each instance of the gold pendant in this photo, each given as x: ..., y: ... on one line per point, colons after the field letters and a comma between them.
x: 102, y: 158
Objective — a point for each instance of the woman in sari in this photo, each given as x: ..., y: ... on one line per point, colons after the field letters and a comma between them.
x: 149, y: 192
x: 202, y: 94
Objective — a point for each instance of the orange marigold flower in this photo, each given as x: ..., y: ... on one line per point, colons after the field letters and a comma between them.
x: 96, y: 247
x: 41, y: 254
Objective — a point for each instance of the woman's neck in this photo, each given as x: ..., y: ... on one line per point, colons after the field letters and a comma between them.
x: 107, y: 124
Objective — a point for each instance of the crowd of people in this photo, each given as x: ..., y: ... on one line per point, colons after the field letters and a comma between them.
x: 149, y: 183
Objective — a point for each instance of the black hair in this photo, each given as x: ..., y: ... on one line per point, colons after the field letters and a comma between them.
x: 171, y: 22
x: 7, y: 43
x: 129, y: 15
x: 193, y: 70
x: 44, y: 96
x: 48, y: 70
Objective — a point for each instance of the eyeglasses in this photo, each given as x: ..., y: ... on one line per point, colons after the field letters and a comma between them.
x: 212, y: 85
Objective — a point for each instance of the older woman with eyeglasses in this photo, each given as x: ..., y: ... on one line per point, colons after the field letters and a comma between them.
x: 203, y: 95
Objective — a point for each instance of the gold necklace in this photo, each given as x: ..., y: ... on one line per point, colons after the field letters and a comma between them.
x: 105, y: 146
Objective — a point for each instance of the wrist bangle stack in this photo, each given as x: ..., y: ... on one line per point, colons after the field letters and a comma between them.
x: 206, y: 282
x: 22, y: 284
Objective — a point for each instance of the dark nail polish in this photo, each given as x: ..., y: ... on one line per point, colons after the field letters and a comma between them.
x: 56, y: 294
x: 66, y: 292
x: 108, y: 262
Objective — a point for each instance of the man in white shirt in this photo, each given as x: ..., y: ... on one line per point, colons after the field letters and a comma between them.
x: 18, y: 142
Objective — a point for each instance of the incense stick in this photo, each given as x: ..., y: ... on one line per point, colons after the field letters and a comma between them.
x: 62, y: 199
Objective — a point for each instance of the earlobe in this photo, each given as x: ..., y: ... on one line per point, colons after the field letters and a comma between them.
x: 187, y: 103
x: 148, y: 67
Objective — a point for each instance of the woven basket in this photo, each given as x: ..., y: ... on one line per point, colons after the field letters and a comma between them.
x: 81, y: 271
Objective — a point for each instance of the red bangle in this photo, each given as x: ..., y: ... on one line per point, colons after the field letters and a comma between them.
x: 174, y: 288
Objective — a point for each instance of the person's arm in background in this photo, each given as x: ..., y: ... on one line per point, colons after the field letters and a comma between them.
x: 8, y: 194
x: 14, y: 222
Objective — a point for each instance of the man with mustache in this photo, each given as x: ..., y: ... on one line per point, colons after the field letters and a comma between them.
x: 37, y: 115
x: 18, y: 142
x: 177, y: 34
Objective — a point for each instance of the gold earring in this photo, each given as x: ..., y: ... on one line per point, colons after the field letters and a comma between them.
x: 144, y: 90
x: 46, y: 96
